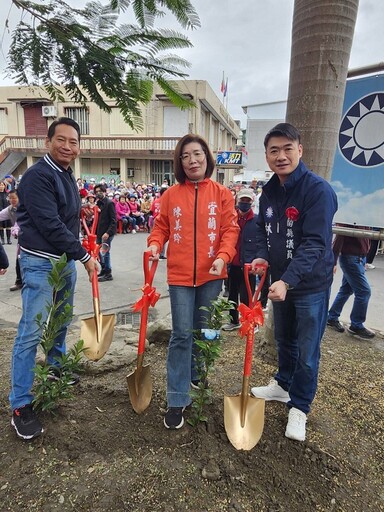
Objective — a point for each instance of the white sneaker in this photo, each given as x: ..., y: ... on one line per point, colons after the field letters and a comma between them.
x: 271, y: 392
x: 231, y: 327
x: 133, y: 231
x: 369, y: 266
x: 296, y: 425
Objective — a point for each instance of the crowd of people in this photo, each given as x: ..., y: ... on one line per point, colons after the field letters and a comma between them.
x: 210, y: 231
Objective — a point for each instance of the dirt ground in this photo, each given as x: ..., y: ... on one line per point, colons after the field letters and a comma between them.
x: 98, y: 455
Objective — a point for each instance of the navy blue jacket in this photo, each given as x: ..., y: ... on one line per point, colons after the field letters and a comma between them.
x: 248, y: 239
x: 49, y: 211
x: 299, y: 251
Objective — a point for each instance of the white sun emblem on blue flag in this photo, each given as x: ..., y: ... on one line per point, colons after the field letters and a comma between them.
x: 361, y: 135
x: 269, y: 212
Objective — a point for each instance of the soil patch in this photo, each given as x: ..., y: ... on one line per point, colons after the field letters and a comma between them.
x: 97, y: 455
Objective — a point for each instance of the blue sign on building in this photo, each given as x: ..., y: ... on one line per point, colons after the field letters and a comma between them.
x: 229, y: 158
x: 358, y: 170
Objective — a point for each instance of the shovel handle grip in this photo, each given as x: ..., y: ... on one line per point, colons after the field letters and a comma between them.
x: 149, y: 269
x: 247, y: 269
x: 91, y: 231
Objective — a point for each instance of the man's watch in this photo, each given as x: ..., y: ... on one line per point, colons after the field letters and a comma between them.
x: 288, y: 286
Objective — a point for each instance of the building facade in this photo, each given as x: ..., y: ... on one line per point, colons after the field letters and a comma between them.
x: 109, y: 147
x: 260, y: 119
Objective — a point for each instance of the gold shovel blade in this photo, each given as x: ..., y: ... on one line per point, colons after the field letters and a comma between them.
x: 246, y: 437
x: 97, y: 336
x: 140, y: 388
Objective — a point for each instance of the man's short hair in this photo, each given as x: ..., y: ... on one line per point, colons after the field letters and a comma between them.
x: 101, y: 186
x: 63, y: 120
x: 283, y: 130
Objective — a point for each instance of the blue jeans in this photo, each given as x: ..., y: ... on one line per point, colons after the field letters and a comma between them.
x: 105, y: 260
x: 299, y: 327
x: 354, y: 282
x: 186, y: 316
x: 36, y: 293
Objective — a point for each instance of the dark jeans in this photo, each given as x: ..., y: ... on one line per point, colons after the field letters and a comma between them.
x: 354, y: 282
x: 186, y: 302
x: 105, y: 260
x: 299, y: 327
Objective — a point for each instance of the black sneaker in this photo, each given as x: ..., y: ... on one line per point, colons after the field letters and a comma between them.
x: 195, y: 384
x: 55, y: 374
x: 362, y: 333
x: 174, y: 418
x: 25, y: 422
x: 336, y: 325
x: 105, y: 277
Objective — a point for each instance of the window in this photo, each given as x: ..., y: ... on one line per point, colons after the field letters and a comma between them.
x: 81, y: 116
x: 161, y: 170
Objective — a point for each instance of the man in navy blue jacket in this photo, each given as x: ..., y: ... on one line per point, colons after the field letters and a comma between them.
x: 294, y: 236
x: 49, y: 219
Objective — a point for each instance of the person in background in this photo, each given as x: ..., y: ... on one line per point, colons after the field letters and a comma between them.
x: 10, y: 182
x: 351, y: 253
x: 245, y: 250
x: 372, y: 252
x: 145, y: 207
x: 294, y: 236
x: 5, y: 225
x: 135, y: 212
x: 122, y: 214
x: 155, y: 210
x: 48, y: 216
x: 9, y: 213
x: 198, y: 219
x: 106, y: 229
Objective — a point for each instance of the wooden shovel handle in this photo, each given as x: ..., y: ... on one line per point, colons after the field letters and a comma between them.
x: 252, y: 302
x: 149, y: 273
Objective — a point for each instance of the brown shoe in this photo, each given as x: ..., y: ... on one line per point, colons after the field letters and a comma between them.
x: 15, y: 287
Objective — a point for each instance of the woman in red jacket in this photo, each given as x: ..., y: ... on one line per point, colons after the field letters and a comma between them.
x: 197, y: 217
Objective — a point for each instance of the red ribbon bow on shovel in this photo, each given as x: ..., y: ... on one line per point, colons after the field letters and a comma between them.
x: 150, y: 296
x: 249, y: 317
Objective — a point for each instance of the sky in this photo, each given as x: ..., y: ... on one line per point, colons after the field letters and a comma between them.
x: 250, y: 41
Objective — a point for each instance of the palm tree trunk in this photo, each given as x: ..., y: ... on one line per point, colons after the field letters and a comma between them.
x: 322, y: 34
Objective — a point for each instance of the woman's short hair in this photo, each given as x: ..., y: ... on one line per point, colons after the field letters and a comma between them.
x: 177, y: 164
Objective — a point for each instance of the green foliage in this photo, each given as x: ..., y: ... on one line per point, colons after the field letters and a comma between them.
x: 208, y: 352
x: 48, y: 392
x: 96, y: 59
x: 218, y: 312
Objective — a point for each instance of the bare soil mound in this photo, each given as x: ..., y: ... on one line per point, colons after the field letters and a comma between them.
x: 97, y: 455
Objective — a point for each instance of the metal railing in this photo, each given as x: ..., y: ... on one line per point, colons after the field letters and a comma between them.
x: 95, y: 144
x: 358, y: 232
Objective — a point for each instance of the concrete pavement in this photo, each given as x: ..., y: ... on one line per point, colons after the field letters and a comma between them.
x: 118, y: 295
